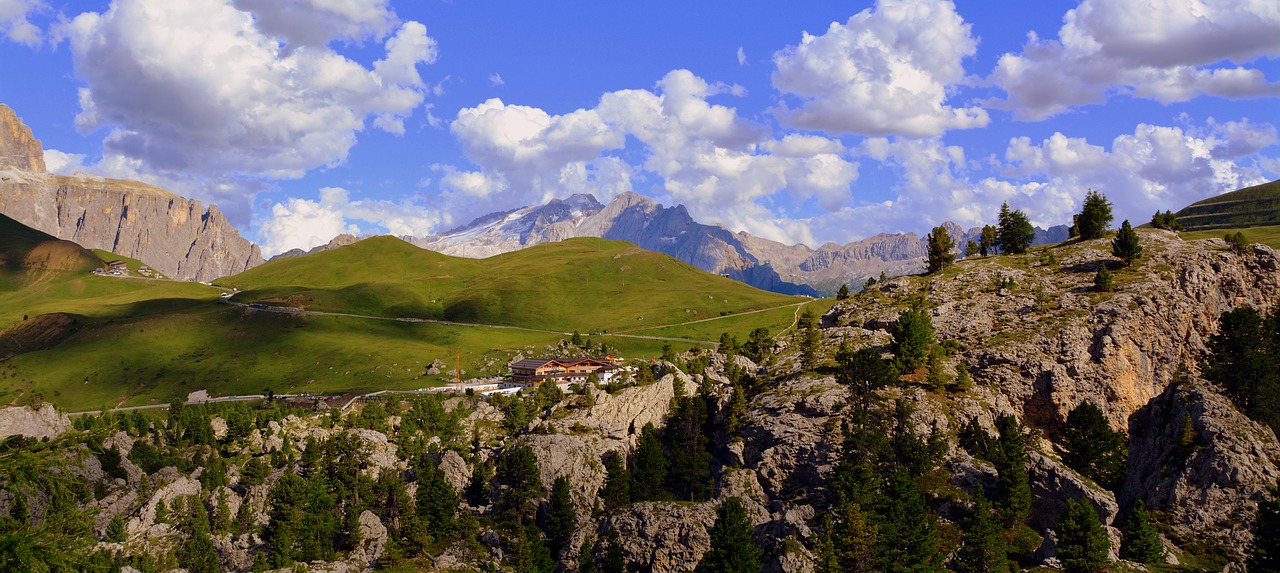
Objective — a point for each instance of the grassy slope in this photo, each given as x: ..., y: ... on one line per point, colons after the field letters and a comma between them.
x: 580, y: 284
x: 1252, y: 206
x: 144, y: 341
x: 1269, y: 235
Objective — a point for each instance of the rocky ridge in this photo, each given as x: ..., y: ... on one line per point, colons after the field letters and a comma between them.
x: 177, y: 236
x: 765, y: 264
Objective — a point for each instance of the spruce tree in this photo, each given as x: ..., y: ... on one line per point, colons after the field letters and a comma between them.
x: 1141, y: 540
x: 849, y: 541
x: 435, y: 501
x: 648, y: 467
x: 1083, y: 545
x: 561, y: 519
x: 1237, y: 243
x: 477, y: 493
x: 1093, y: 448
x: 614, y: 561
x: 616, y: 491
x: 843, y: 293
x: 913, y: 339
x: 115, y: 530
x: 1015, y: 232
x: 685, y: 445
x: 1264, y: 554
x: 908, y: 539
x: 732, y: 550
x: 988, y: 241
x: 808, y: 339
x: 197, y: 554
x: 1013, y: 495
x: 940, y: 246
x: 518, y: 472
x: 1166, y: 220
x: 1094, y: 217
x: 1126, y: 245
x: 983, y: 550
x: 1104, y: 281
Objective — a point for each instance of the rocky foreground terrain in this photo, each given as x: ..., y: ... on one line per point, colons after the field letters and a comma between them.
x: 1033, y: 335
x: 177, y: 236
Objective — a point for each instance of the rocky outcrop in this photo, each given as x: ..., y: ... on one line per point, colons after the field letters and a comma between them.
x: 338, y: 241
x: 662, y: 536
x: 45, y: 422
x: 177, y: 236
x: 18, y: 148
x: 789, y: 441
x: 1196, y: 458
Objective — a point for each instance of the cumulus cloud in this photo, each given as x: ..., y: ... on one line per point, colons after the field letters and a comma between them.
x: 215, y: 88
x: 63, y: 163
x: 299, y: 223
x: 885, y: 71
x: 1166, y: 50
x: 14, y: 24
x: 706, y: 156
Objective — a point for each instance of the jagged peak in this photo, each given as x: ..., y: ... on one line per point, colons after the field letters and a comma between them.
x: 19, y: 149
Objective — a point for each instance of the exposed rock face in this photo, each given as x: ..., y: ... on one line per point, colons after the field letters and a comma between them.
x: 1194, y: 456
x: 176, y: 236
x: 664, y: 536
x: 18, y: 149
x: 338, y: 241
x: 788, y: 441
x: 45, y: 422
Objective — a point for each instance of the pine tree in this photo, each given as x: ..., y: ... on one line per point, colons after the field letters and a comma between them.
x: 849, y: 542
x: 1264, y: 554
x: 435, y: 502
x: 808, y: 339
x: 1141, y: 540
x: 518, y: 472
x: 1013, y: 496
x: 940, y: 246
x: 1103, y: 280
x: 987, y: 242
x: 616, y: 491
x: 1083, y: 545
x: 685, y: 444
x: 587, y: 556
x: 1015, y: 232
x: 1094, y: 217
x: 197, y: 554
x: 648, y: 467
x: 561, y: 519
x: 983, y: 550
x: 115, y: 530
x: 971, y: 250
x: 908, y: 539
x: 913, y: 338
x: 843, y: 293
x: 1166, y: 220
x: 732, y: 550
x: 1093, y: 448
x: 614, y: 561
x: 1237, y: 243
x: 477, y: 494
x: 1126, y: 246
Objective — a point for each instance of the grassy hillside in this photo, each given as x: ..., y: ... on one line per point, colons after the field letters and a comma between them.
x: 586, y: 284
x: 84, y: 341
x: 1249, y: 207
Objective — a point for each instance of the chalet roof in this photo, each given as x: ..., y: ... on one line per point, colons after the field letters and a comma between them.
x: 535, y: 363
x: 532, y: 363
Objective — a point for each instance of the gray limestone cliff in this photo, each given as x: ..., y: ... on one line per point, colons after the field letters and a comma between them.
x: 177, y: 236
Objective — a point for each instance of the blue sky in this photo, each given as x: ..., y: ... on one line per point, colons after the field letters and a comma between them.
x: 810, y: 122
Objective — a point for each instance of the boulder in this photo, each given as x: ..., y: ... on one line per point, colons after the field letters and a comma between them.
x: 40, y: 423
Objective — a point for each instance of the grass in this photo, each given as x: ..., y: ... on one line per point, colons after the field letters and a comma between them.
x: 776, y: 320
x: 1252, y: 206
x: 1267, y: 235
x: 141, y: 341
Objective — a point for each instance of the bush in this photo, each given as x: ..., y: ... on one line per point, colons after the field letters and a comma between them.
x: 1104, y: 281
x: 1237, y: 243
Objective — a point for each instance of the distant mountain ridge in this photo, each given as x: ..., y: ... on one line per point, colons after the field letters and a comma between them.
x: 177, y: 236
x: 765, y: 264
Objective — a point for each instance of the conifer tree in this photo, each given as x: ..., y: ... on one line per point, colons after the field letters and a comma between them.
x: 843, y: 293
x: 988, y: 241
x: 518, y: 472
x: 587, y: 556
x: 1237, y: 243
x: 1083, y: 545
x: 1264, y: 554
x: 685, y: 445
x: 940, y: 246
x: 1094, y: 217
x: 1013, y: 496
x: 477, y: 493
x: 435, y: 502
x: 971, y: 249
x: 849, y: 541
x: 561, y: 519
x: 1015, y: 231
x: 616, y: 491
x: 983, y: 550
x: 197, y: 554
x: 732, y: 550
x: 614, y: 562
x: 1140, y: 540
x: 1126, y: 245
x: 913, y: 339
x: 1093, y: 448
x: 1166, y: 220
x: 808, y: 339
x: 115, y: 530
x: 908, y: 539
x: 648, y: 467
x: 1104, y: 281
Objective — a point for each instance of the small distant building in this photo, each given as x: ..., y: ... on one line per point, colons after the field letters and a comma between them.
x: 534, y: 371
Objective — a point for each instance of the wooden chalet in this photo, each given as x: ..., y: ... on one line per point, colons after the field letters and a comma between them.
x: 533, y: 371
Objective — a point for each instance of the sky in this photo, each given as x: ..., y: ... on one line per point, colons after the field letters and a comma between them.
x: 804, y: 122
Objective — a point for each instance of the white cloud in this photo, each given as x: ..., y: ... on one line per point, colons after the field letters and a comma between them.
x: 495, y: 79
x: 14, y: 24
x: 742, y: 56
x: 303, y: 224
x: 204, y: 88
x: 1165, y: 50
x: 63, y: 163
x: 885, y: 71
x: 706, y: 156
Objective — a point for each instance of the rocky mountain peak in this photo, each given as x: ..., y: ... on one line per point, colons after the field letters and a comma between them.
x: 19, y: 149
